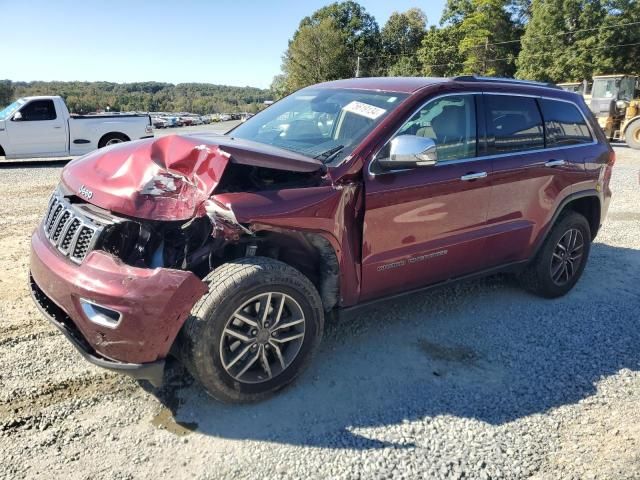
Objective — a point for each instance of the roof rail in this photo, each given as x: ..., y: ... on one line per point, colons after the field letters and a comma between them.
x: 478, y: 78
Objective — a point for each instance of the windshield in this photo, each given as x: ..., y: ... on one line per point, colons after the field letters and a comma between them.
x: 323, y: 123
x: 8, y: 111
x: 605, y: 87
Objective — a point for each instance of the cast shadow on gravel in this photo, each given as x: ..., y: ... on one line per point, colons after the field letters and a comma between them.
x: 482, y: 350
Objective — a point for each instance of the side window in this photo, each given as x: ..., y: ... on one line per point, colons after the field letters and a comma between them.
x: 451, y: 123
x: 514, y: 123
x: 38, y: 110
x: 563, y: 124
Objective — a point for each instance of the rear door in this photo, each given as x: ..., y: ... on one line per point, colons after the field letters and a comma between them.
x: 533, y: 170
x: 428, y: 224
x: 41, y: 131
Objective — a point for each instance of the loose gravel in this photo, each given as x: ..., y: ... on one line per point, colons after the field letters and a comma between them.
x: 478, y: 380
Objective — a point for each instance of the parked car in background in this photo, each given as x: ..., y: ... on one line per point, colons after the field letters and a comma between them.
x: 228, y: 251
x: 159, y: 122
x: 171, y: 121
x: 42, y: 127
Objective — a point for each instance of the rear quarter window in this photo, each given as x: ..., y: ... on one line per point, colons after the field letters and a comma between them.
x: 564, y: 124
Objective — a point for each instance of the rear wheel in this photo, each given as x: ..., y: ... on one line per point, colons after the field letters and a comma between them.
x: 254, y: 332
x: 632, y: 134
x: 560, y: 262
x: 112, y: 139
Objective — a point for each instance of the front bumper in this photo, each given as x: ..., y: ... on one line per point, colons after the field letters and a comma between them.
x: 153, y: 303
x: 153, y: 371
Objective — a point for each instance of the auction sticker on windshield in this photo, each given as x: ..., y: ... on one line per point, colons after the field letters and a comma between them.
x: 364, y: 109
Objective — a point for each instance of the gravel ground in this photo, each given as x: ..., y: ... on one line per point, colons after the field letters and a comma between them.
x: 479, y: 380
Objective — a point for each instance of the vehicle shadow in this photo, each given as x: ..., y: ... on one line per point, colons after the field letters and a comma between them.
x: 482, y: 350
x: 35, y: 163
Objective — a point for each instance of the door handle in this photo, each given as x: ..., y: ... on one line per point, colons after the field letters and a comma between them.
x: 555, y: 163
x: 57, y: 127
x: 473, y: 176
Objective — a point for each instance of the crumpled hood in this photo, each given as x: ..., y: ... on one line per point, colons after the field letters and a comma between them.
x: 169, y: 178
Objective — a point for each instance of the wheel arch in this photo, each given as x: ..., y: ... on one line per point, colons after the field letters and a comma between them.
x: 112, y: 134
x: 310, y: 253
x: 2, y: 154
x: 586, y: 203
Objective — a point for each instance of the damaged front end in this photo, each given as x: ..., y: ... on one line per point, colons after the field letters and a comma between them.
x: 164, y: 194
x: 164, y: 214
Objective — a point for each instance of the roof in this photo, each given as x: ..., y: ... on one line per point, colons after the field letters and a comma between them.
x: 613, y: 75
x: 41, y: 97
x: 413, y: 84
x: 387, y: 84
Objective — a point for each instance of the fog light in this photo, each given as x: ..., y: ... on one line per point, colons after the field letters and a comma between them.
x: 99, y: 314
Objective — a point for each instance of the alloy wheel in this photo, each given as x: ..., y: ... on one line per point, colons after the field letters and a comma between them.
x: 567, y: 257
x: 262, y: 337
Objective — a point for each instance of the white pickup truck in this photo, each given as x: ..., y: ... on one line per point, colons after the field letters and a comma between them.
x: 43, y: 127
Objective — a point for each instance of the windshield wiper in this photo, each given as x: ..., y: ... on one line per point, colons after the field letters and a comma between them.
x: 326, y: 156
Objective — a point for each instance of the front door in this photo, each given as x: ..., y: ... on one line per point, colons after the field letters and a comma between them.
x: 39, y: 132
x: 428, y: 224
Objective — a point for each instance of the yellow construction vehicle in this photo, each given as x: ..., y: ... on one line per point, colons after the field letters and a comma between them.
x: 583, y: 88
x: 616, y: 104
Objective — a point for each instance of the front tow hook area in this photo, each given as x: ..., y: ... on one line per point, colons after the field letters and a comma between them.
x: 152, y: 372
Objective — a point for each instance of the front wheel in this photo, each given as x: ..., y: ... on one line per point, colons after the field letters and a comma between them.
x: 254, y: 332
x: 561, y: 260
x: 632, y: 134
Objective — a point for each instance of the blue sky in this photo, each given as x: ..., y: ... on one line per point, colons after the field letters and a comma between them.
x: 223, y: 42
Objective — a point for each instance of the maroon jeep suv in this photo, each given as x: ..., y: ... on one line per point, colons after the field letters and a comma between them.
x: 228, y: 251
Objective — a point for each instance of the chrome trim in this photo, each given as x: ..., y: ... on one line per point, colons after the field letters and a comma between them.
x: 473, y: 176
x: 495, y: 155
x: 555, y: 163
x: 96, y: 317
x: 58, y: 208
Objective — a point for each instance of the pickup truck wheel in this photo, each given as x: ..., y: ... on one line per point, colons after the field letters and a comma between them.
x: 632, y: 134
x: 112, y: 139
x: 254, y: 332
x: 560, y: 262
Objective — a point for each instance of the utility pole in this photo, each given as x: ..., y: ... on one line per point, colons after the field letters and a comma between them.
x: 486, y: 54
x: 358, y: 66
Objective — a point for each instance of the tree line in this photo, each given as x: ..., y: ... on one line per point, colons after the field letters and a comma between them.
x: 83, y: 97
x: 545, y: 40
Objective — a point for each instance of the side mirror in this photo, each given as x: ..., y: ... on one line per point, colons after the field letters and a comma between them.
x: 410, y: 151
x: 17, y: 117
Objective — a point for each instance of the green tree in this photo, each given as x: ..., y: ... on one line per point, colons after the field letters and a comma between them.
x: 455, y: 11
x: 400, y: 38
x: 315, y: 55
x: 489, y: 38
x: 360, y: 34
x: 439, y: 54
x: 561, y: 42
x: 279, y: 87
x: 6, y: 93
x: 83, y: 97
x: 624, y: 59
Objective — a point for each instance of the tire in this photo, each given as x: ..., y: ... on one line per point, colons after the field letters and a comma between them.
x: 539, y: 276
x: 632, y: 134
x: 112, y: 139
x: 215, y: 358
